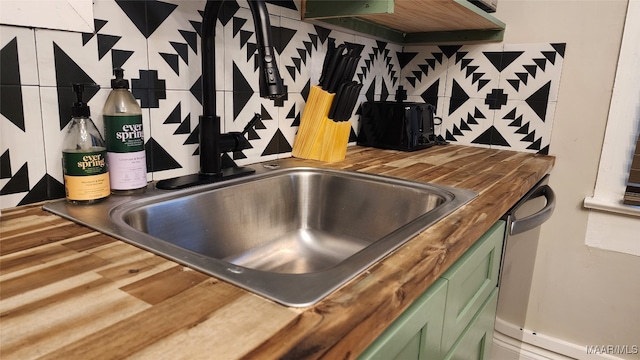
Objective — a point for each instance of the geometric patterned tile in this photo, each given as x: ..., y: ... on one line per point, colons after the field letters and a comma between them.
x: 379, y: 69
x: 538, y: 67
x: 493, y: 95
x: 22, y: 150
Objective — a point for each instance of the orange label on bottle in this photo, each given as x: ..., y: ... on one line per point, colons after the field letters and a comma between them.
x: 87, y: 187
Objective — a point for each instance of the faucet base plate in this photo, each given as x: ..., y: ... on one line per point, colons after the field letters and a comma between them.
x: 186, y: 181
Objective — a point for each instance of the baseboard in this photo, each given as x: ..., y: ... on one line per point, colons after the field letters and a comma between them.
x: 513, y: 343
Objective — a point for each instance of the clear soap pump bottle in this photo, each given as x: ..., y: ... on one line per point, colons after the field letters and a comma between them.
x: 86, y: 176
x: 125, y: 138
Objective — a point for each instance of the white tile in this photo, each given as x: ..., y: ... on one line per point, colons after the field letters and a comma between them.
x: 165, y: 42
x: 522, y: 127
x: 305, y: 67
x: 383, y: 72
x: 538, y: 68
x: 265, y: 129
x: 26, y: 45
x: 93, y: 53
x: 25, y: 147
x: 173, y: 136
x: 428, y: 67
x: 465, y: 124
x: 288, y: 115
x: 471, y: 69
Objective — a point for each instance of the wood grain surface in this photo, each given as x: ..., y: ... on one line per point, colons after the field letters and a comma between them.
x: 68, y: 292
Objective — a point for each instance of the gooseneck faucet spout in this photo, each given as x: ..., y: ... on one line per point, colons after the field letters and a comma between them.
x: 212, y: 142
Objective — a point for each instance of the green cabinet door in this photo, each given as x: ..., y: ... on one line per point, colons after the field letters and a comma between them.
x: 472, y: 279
x: 417, y: 332
x: 455, y: 316
x: 475, y: 341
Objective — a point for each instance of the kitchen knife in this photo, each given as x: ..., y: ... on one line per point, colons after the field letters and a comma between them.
x: 331, y: 48
x: 337, y: 99
x: 351, y: 100
x: 331, y: 66
x: 345, y: 100
x: 336, y: 77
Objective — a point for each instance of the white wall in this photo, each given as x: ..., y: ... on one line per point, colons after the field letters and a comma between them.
x: 580, y: 294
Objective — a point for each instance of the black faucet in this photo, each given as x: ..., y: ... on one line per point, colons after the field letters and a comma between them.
x: 212, y: 143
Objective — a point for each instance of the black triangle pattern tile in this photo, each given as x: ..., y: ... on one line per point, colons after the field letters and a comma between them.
x: 174, y: 116
x: 191, y: 38
x: 182, y: 50
x: 120, y: 57
x: 185, y: 126
x: 159, y: 159
x: 539, y: 100
x: 560, y: 48
x: 172, y: 61
x: 430, y: 95
x: 5, y: 165
x: 277, y: 145
x: 69, y: 72
x: 19, y: 182
x: 238, y: 23
x: 405, y: 58
x: 380, y: 69
x: 45, y: 189
x: 11, y: 105
x: 482, y: 67
x: 106, y: 43
x: 242, y: 91
x: 197, y: 26
x: 147, y: 16
x: 196, y: 90
x: 449, y: 50
x: 193, y: 137
x: 458, y: 97
x: 491, y: 137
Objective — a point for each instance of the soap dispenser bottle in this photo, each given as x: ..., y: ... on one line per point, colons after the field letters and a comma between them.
x: 86, y: 176
x: 125, y: 138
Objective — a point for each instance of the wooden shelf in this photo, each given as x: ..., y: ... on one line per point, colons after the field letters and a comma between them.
x: 407, y: 21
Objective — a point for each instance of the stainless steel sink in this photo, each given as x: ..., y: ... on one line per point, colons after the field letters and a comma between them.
x: 291, y: 235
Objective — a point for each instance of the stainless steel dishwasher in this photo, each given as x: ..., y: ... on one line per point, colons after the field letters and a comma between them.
x: 519, y: 254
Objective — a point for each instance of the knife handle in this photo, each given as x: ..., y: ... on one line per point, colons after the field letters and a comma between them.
x: 331, y: 67
x: 331, y: 48
x: 336, y: 100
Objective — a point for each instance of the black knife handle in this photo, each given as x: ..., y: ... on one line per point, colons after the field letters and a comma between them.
x: 331, y: 48
x: 336, y: 99
x: 331, y: 67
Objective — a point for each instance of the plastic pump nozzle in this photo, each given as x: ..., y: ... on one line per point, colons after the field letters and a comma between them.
x: 80, y: 108
x: 119, y: 82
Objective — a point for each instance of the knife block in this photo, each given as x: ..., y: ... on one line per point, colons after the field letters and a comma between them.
x: 318, y: 137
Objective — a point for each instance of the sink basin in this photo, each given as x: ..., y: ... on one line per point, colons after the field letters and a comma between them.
x: 291, y: 235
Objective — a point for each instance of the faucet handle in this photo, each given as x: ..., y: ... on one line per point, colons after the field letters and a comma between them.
x: 251, y: 123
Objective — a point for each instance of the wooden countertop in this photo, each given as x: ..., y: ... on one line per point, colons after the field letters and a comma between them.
x: 69, y: 292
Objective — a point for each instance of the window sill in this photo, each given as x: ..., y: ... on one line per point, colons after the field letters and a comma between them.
x: 612, y: 206
x: 613, y: 226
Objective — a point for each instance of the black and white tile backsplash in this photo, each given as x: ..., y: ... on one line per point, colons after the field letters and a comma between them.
x: 494, y: 95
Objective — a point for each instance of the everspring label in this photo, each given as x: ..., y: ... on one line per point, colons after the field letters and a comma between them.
x: 125, y: 151
x: 85, y: 175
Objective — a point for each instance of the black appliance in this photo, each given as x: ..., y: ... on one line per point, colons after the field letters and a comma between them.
x: 397, y: 125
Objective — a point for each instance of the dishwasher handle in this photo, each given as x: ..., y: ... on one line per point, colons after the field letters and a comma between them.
x: 532, y: 221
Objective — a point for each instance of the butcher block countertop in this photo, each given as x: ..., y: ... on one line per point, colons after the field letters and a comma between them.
x: 68, y: 292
